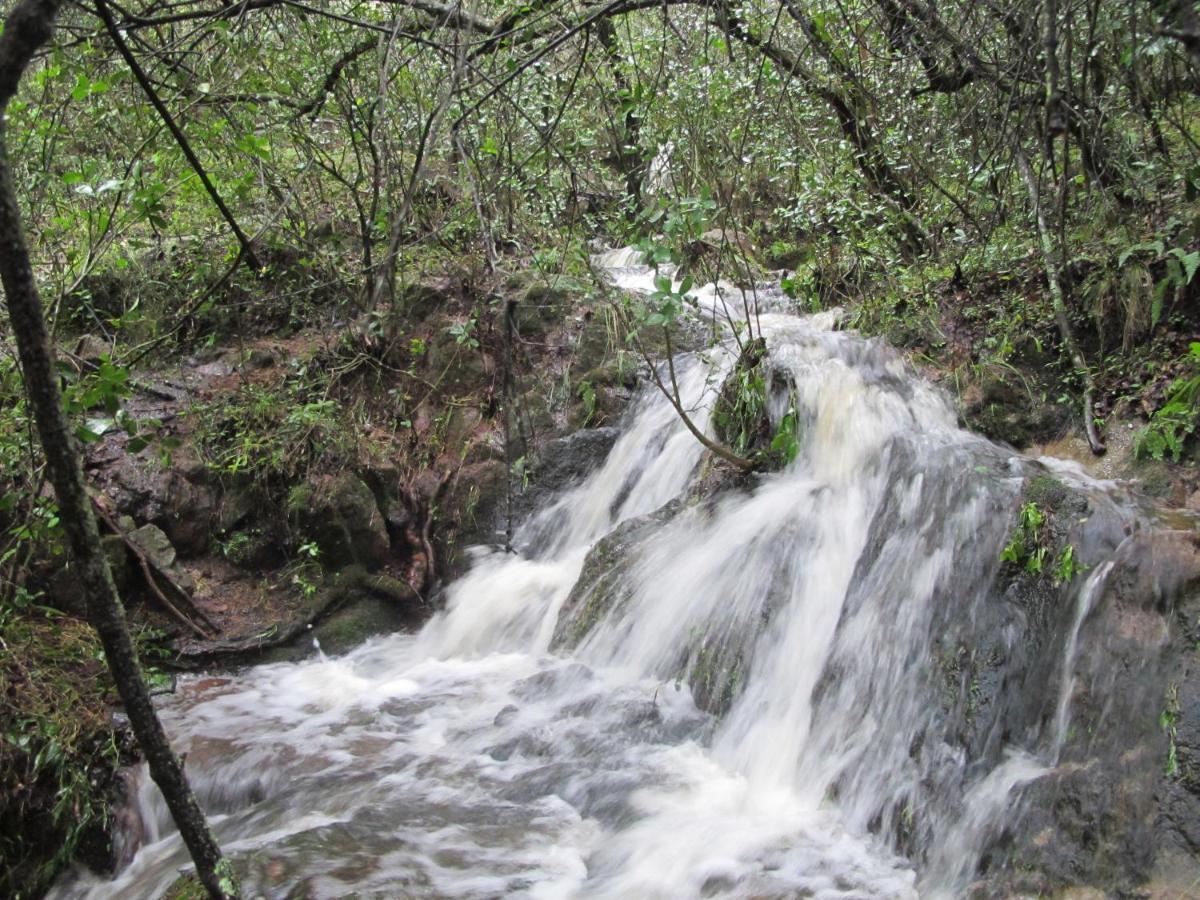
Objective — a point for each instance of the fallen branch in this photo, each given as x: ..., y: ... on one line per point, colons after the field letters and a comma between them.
x: 149, y: 570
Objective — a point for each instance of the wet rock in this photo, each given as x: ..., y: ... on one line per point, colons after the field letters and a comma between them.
x: 472, y: 512
x: 339, y: 514
x: 160, y: 553
x: 386, y: 483
x: 561, y: 464
x: 258, y: 358
x: 461, y: 425
x: 250, y: 549
x: 1004, y: 408
x: 453, y: 365
x: 421, y: 299
x: 601, y: 395
x: 542, y: 303
x: 600, y: 591
x: 155, y: 546
x: 90, y: 348
x: 182, y: 502
x: 361, y: 618
x: 240, y: 501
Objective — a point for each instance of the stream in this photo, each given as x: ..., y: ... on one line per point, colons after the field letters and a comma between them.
x: 480, y: 757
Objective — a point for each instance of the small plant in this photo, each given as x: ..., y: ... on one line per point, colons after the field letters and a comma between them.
x: 1168, y: 720
x: 1176, y: 420
x: 1025, y: 546
x: 307, y: 587
x: 587, y: 396
x: 1181, y: 268
x: 785, y: 445
x: 1066, y: 567
x: 464, y: 333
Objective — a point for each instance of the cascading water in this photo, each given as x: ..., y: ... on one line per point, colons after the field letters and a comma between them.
x: 481, y: 757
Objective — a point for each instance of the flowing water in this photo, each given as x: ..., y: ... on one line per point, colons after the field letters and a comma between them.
x: 471, y: 760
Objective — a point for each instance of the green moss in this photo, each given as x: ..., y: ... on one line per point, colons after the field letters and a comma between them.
x: 1046, y: 491
x: 58, y: 748
x: 185, y: 887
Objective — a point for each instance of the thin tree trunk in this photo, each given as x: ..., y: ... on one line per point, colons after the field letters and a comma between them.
x: 27, y: 27
x: 1059, y: 301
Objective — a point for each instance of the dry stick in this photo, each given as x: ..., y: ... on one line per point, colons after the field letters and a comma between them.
x: 1059, y: 301
x: 138, y: 73
x: 148, y: 577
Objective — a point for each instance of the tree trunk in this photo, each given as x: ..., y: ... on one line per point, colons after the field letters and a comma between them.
x: 27, y: 27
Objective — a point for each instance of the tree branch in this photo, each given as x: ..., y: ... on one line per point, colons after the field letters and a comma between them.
x: 139, y: 74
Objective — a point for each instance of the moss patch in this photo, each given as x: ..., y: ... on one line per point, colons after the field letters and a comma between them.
x: 59, y: 751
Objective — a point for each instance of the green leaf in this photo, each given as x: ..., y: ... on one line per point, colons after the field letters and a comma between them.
x: 1191, y: 262
x: 85, y: 435
x: 1156, y: 304
x: 1156, y: 246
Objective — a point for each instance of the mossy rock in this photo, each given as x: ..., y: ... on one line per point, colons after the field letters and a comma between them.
x: 471, y: 512
x: 65, y: 590
x: 418, y: 301
x: 785, y: 255
x: 1006, y: 409
x: 546, y: 304
x: 600, y: 343
x: 742, y: 417
x: 362, y: 618
x: 454, y: 367
x: 249, y: 549
x: 600, y: 591
x: 714, y: 664
x: 339, y: 514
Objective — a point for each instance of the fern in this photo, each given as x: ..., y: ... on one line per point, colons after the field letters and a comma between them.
x: 1176, y: 420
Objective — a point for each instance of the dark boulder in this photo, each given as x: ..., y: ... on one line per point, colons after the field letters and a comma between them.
x: 339, y: 514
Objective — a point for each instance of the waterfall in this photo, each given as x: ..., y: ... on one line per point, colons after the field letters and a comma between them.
x: 487, y: 756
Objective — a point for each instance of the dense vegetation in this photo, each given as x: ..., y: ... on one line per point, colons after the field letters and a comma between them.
x: 1009, y: 189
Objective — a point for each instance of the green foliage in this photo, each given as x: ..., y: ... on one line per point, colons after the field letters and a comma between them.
x: 1024, y: 547
x: 587, y: 395
x: 740, y: 415
x: 1066, y: 567
x: 277, y: 433
x: 1168, y: 721
x: 785, y: 445
x: 1028, y: 547
x: 464, y: 333
x: 57, y: 749
x: 1179, y: 268
x: 1176, y: 420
